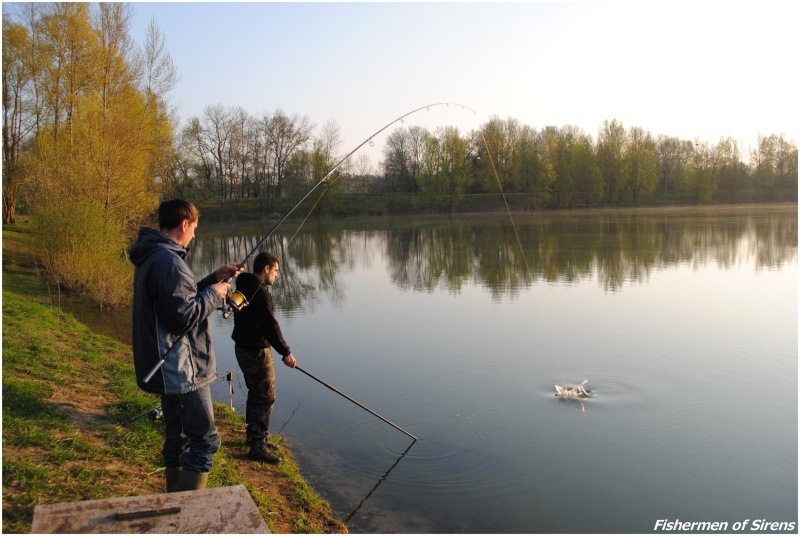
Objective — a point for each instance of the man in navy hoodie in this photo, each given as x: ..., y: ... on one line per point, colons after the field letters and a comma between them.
x: 170, y: 309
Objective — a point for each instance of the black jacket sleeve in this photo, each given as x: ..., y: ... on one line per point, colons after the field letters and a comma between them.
x: 271, y: 329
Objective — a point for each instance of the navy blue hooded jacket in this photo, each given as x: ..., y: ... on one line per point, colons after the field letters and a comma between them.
x: 167, y: 301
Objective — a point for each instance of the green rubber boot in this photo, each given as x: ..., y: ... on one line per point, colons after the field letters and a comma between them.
x: 191, y: 480
x: 172, y: 474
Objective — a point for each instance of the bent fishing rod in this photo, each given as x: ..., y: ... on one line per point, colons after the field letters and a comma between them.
x: 236, y: 301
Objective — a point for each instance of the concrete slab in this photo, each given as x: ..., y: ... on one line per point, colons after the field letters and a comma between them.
x: 228, y: 510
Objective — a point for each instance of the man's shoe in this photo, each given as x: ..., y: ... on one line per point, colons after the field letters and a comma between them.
x: 260, y: 453
x: 271, y: 445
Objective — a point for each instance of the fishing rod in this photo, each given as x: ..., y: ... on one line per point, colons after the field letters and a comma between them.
x: 237, y: 301
x: 228, y: 376
x: 362, y: 406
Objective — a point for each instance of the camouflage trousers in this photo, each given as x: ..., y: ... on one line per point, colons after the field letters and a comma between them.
x: 259, y: 376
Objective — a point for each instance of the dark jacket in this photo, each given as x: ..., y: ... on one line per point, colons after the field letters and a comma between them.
x: 255, y: 326
x: 167, y: 301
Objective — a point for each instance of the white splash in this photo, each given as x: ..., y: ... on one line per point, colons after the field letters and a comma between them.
x: 578, y: 391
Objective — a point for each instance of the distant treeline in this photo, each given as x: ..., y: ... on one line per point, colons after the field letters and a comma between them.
x: 230, y: 154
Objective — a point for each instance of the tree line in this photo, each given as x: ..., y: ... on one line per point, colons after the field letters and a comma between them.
x: 229, y: 154
x: 91, y: 143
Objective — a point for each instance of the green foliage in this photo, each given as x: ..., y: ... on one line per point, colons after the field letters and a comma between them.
x: 82, y: 250
x: 88, y: 133
x: 443, y: 169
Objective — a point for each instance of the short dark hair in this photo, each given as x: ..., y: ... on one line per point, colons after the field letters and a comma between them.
x: 172, y: 213
x: 263, y: 260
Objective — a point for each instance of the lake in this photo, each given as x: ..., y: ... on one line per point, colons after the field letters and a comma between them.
x: 456, y: 329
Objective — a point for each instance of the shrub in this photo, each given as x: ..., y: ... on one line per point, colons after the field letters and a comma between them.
x: 83, y: 250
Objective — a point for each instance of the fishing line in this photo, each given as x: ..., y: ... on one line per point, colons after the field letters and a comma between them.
x: 308, y: 215
x: 522, y: 251
x: 324, y: 180
x: 237, y: 300
x: 385, y: 475
x: 289, y: 419
x: 401, y: 119
x: 508, y: 209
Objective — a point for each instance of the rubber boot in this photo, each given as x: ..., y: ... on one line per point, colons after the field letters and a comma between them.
x: 191, y: 480
x: 172, y: 474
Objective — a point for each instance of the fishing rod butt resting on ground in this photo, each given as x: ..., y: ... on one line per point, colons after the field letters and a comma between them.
x: 236, y: 301
x: 228, y: 376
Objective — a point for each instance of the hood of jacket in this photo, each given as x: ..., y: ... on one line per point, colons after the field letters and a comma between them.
x: 150, y: 241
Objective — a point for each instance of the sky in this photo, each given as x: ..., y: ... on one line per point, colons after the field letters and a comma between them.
x: 696, y: 70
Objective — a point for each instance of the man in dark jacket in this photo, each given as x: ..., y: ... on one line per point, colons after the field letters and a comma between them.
x: 255, y: 330
x: 170, y: 309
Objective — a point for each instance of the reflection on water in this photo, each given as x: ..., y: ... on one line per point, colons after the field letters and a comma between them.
x: 428, y: 254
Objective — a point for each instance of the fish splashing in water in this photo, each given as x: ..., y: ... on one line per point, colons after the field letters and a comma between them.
x: 578, y: 391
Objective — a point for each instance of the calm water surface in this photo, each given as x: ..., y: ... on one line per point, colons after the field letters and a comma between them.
x: 684, y: 321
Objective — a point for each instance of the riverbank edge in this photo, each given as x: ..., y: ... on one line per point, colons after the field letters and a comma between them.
x: 66, y: 389
x: 340, y: 206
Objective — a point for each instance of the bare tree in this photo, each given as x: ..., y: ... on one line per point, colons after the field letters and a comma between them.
x: 282, y: 136
x: 362, y: 174
x: 331, y: 137
x: 397, y: 160
x: 160, y: 75
x: 214, y: 138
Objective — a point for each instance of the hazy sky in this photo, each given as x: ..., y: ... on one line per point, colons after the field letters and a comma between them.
x: 693, y: 69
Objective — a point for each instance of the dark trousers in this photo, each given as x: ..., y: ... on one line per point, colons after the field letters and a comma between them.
x: 259, y: 376
x: 191, y: 435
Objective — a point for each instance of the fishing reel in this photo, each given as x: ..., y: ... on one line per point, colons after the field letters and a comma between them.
x: 235, y: 302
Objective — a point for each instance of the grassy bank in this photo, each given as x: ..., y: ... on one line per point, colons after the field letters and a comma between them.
x: 66, y: 388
